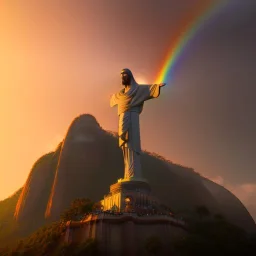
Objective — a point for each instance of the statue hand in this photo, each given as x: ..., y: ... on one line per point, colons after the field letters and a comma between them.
x: 162, y: 84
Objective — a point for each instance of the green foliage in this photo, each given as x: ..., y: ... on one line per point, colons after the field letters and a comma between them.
x: 47, y: 241
x: 39, y: 243
x: 216, y: 237
x: 78, y: 207
x: 97, y: 206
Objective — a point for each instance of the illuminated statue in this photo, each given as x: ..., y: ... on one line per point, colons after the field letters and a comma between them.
x: 130, y: 101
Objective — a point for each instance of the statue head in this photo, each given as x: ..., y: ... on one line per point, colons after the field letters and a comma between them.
x: 127, y: 77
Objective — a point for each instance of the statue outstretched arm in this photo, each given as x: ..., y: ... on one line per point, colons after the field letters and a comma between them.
x: 154, y: 90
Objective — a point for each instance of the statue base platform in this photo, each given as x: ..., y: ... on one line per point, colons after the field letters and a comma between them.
x: 125, y: 233
x: 129, y: 195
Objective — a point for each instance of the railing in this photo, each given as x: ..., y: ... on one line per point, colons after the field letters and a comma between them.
x: 133, y: 216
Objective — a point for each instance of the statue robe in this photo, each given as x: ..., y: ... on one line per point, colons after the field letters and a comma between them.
x: 130, y: 105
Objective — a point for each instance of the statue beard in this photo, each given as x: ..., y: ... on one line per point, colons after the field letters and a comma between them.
x: 126, y: 81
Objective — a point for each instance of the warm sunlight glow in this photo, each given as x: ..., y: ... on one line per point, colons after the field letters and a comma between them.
x: 141, y: 80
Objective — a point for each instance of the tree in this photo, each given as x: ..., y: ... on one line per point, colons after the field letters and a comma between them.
x: 215, y: 237
x: 97, y: 206
x: 79, y: 206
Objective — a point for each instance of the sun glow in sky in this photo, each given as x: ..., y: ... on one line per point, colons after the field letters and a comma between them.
x: 141, y: 80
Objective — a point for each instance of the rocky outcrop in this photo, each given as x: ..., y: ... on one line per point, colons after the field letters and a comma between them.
x: 35, y: 193
x: 80, y: 163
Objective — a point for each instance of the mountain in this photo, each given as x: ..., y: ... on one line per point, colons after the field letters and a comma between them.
x: 83, y: 160
x: 89, y: 160
x: 35, y: 192
x: 230, y: 205
x: 7, y: 222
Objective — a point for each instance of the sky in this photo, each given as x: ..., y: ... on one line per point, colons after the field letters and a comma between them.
x: 60, y: 59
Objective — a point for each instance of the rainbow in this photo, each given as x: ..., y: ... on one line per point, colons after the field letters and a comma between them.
x: 186, y: 33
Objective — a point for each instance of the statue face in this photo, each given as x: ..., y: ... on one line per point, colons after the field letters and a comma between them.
x: 126, y: 79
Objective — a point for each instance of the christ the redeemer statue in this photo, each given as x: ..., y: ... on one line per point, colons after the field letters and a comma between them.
x: 130, y: 101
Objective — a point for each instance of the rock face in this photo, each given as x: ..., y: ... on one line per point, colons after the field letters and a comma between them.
x: 80, y: 161
x: 35, y: 193
x: 89, y: 161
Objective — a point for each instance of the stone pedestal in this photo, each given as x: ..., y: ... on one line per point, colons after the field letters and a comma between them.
x: 127, y: 233
x: 129, y: 195
x: 130, y: 224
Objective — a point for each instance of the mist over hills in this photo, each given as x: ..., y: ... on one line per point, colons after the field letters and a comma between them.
x: 88, y: 161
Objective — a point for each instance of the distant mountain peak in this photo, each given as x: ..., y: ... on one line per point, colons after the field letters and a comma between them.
x: 85, y: 120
